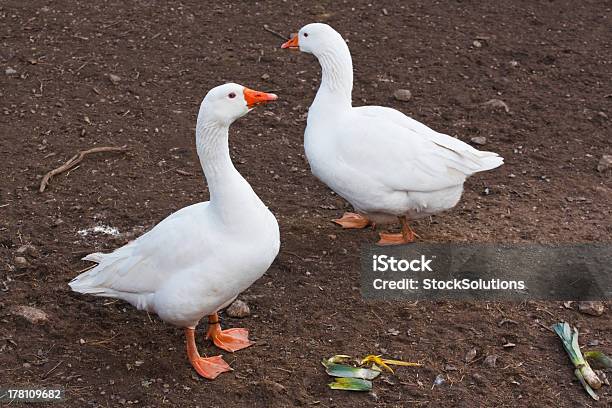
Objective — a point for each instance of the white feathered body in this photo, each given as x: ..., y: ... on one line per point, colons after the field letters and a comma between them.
x: 193, y: 263
x: 386, y: 164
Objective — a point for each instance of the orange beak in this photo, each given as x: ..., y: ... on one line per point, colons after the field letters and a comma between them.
x: 292, y: 44
x: 254, y: 98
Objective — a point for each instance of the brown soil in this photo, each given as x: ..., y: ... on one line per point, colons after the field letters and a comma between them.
x: 549, y: 61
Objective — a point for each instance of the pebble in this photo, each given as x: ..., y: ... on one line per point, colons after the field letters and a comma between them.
x: 591, y: 307
x: 115, y: 79
x: 439, y: 380
x: 28, y: 249
x: 497, y: 103
x: 393, y: 332
x: 477, y: 44
x: 605, y: 163
x: 402, y: 95
x: 31, y: 314
x: 470, y: 355
x: 479, y: 140
x: 21, y: 262
x: 265, y: 77
x: 490, y: 360
x: 238, y: 309
x: 10, y: 71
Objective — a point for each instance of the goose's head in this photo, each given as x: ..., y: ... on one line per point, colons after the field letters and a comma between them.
x: 228, y: 102
x: 314, y: 38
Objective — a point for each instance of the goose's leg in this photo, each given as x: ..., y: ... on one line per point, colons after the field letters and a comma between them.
x: 352, y: 220
x: 209, y: 367
x: 405, y: 237
x: 228, y: 339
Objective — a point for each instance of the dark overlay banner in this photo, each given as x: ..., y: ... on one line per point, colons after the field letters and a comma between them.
x: 487, y: 272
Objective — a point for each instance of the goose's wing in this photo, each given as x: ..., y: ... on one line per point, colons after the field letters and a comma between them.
x: 143, y: 265
x: 404, y: 154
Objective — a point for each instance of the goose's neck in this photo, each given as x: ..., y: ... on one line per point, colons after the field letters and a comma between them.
x: 213, y: 151
x: 337, y: 75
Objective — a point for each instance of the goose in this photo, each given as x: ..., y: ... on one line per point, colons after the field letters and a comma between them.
x: 199, y: 259
x: 387, y: 165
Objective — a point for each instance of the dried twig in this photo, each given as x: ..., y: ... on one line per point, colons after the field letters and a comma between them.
x: 53, y: 369
x: 76, y: 159
x: 276, y: 33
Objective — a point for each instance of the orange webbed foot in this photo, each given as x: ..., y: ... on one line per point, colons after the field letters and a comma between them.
x: 352, y: 220
x: 229, y: 339
x: 405, y: 237
x: 207, y: 367
x: 387, y: 238
x: 210, y: 367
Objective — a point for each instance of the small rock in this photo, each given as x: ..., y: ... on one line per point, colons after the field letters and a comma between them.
x: 470, y: 355
x: 509, y: 345
x: 21, y: 262
x: 10, y: 71
x: 403, y: 95
x: 115, y: 79
x: 605, y: 163
x: 490, y: 361
x: 479, y: 379
x: 479, y: 140
x: 514, y: 63
x: 385, y: 12
x: 31, y: 314
x: 393, y: 332
x: 497, y: 103
x: 602, y: 376
x: 265, y: 77
x: 238, y: 309
x: 27, y: 249
x: 477, y: 44
x: 591, y: 307
x: 439, y: 380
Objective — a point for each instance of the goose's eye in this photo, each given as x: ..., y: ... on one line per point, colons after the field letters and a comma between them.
x: 305, y: 34
x: 232, y: 95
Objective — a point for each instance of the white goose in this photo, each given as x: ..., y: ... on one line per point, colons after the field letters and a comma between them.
x: 197, y: 260
x: 384, y: 163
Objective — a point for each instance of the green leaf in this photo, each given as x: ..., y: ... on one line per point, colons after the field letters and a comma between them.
x: 598, y: 359
x: 351, y: 384
x: 342, y: 370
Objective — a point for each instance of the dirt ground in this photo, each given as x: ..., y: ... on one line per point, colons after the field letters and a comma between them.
x: 549, y: 61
